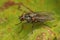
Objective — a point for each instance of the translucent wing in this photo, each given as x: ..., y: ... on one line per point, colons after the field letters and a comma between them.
x: 44, y: 16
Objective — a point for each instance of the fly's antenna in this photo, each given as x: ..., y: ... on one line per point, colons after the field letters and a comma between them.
x: 25, y: 7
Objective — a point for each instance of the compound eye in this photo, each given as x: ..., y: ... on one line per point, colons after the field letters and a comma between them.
x: 32, y: 15
x: 21, y: 19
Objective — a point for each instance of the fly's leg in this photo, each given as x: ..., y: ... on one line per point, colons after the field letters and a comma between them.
x: 19, y: 23
x: 45, y: 25
x: 32, y: 27
x: 20, y: 30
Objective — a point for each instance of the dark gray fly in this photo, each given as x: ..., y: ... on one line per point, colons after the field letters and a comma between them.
x: 34, y: 17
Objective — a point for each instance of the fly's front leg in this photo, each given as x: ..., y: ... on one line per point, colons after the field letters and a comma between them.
x: 20, y: 30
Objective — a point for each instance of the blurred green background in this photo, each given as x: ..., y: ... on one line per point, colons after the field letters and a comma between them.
x: 9, y: 17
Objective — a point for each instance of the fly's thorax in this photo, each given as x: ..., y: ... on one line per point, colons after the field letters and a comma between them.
x: 32, y: 14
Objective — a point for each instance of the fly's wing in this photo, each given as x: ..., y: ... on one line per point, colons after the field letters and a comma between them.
x: 45, y: 16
